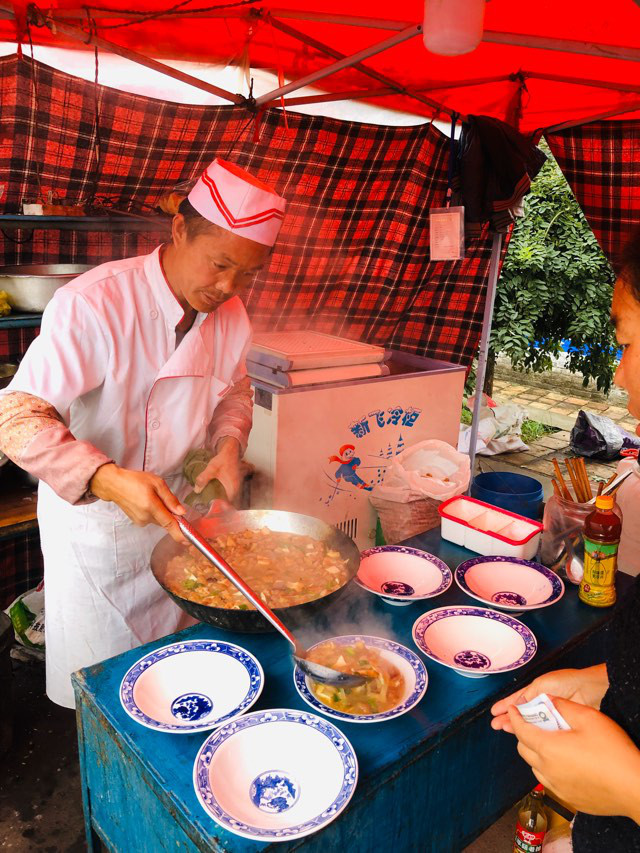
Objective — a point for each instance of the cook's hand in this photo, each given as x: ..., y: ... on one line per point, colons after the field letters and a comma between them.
x: 144, y: 497
x: 585, y: 686
x: 595, y: 767
x: 224, y: 466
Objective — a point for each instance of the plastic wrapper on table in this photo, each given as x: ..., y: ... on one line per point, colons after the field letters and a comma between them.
x: 416, y: 483
x: 598, y: 437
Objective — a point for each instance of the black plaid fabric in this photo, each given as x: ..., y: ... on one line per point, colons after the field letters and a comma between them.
x: 601, y: 162
x: 21, y: 566
x: 353, y: 255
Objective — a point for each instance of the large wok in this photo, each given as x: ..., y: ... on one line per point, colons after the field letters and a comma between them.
x: 250, y: 621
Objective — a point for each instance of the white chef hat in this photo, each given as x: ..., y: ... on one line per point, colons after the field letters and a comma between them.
x: 236, y: 201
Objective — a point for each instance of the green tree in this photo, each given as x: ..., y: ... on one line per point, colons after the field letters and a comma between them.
x: 555, y: 286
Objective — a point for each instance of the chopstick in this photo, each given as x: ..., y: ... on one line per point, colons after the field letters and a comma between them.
x: 566, y: 494
x: 588, y: 491
x: 574, y: 478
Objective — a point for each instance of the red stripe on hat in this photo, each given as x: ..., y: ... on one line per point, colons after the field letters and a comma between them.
x: 241, y: 222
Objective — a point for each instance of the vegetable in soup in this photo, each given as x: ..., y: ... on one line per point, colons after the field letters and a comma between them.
x: 283, y: 568
x: 383, y: 692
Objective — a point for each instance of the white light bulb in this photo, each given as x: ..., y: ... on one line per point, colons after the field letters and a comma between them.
x: 453, y: 27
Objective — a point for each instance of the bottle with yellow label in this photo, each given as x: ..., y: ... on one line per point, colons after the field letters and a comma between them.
x: 602, y: 529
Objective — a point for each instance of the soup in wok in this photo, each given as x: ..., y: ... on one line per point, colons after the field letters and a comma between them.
x: 284, y: 569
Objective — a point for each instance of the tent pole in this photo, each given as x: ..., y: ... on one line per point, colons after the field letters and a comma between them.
x: 605, y: 51
x: 330, y: 51
x: 483, y: 351
x: 577, y: 81
x: 621, y: 109
x: 356, y: 94
x: 86, y: 38
x: 345, y: 62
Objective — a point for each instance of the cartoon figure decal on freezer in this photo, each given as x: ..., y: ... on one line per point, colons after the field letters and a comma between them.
x: 347, y: 469
x: 344, y: 479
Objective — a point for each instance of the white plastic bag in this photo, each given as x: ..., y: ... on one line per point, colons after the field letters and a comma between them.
x: 499, y: 429
x: 429, y: 469
x: 416, y: 482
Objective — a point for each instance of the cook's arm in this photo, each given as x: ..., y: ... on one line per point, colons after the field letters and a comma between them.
x: 34, y: 436
x: 67, y: 360
x: 233, y: 415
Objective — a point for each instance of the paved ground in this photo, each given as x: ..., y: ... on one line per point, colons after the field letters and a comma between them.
x: 40, y: 804
x: 556, y: 398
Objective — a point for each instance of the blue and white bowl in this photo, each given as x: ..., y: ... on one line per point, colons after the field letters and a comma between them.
x: 508, y: 583
x: 407, y: 662
x: 402, y: 575
x: 275, y: 775
x: 474, y: 641
x: 192, y: 686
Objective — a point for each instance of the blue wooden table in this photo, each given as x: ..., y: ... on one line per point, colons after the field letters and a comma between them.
x: 431, y: 780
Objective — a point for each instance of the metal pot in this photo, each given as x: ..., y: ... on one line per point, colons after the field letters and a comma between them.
x: 250, y: 621
x: 31, y: 286
x: 7, y: 372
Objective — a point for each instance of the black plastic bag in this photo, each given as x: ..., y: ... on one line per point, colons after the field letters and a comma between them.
x: 598, y: 437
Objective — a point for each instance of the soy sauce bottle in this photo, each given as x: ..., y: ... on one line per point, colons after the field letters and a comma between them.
x: 532, y: 823
x: 602, y: 530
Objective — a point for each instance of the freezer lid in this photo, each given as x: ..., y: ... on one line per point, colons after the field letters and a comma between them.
x: 304, y: 349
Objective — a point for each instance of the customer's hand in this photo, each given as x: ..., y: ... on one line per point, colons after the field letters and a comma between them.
x: 224, y: 466
x: 584, y: 686
x: 595, y: 767
x: 144, y: 497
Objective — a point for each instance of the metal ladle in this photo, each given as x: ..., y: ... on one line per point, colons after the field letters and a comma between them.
x: 323, y: 674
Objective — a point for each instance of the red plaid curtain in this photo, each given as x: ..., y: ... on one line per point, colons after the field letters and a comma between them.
x: 601, y: 162
x: 353, y: 255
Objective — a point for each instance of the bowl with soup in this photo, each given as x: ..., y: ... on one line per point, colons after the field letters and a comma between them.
x: 396, y: 679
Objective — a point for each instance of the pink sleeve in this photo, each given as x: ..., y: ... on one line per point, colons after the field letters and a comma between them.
x: 233, y: 415
x: 33, y: 435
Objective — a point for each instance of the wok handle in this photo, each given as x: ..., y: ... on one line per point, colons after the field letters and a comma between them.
x: 221, y: 564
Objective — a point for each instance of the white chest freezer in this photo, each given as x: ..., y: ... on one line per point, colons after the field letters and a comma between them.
x: 320, y: 449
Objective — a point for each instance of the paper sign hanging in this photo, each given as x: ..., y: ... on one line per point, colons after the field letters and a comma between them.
x: 446, y: 233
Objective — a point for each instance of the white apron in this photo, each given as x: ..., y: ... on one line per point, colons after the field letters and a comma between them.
x: 106, y: 359
x: 101, y: 598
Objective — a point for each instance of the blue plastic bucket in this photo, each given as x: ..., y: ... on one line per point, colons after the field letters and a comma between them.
x: 515, y: 492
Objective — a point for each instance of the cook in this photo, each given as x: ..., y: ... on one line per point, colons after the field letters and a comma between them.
x: 138, y: 362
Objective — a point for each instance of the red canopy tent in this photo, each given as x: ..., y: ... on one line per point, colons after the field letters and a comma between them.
x: 539, y: 64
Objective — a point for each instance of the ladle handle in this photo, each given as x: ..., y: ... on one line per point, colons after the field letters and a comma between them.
x: 220, y: 563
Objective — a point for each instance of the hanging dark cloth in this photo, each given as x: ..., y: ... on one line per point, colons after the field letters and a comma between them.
x: 494, y: 169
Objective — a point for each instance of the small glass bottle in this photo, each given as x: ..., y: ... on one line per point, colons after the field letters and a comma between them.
x: 532, y: 823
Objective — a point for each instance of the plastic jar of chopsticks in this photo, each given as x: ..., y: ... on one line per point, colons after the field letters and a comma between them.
x: 562, y: 543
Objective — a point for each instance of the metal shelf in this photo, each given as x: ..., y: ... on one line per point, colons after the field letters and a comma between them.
x: 20, y: 321
x: 156, y: 224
